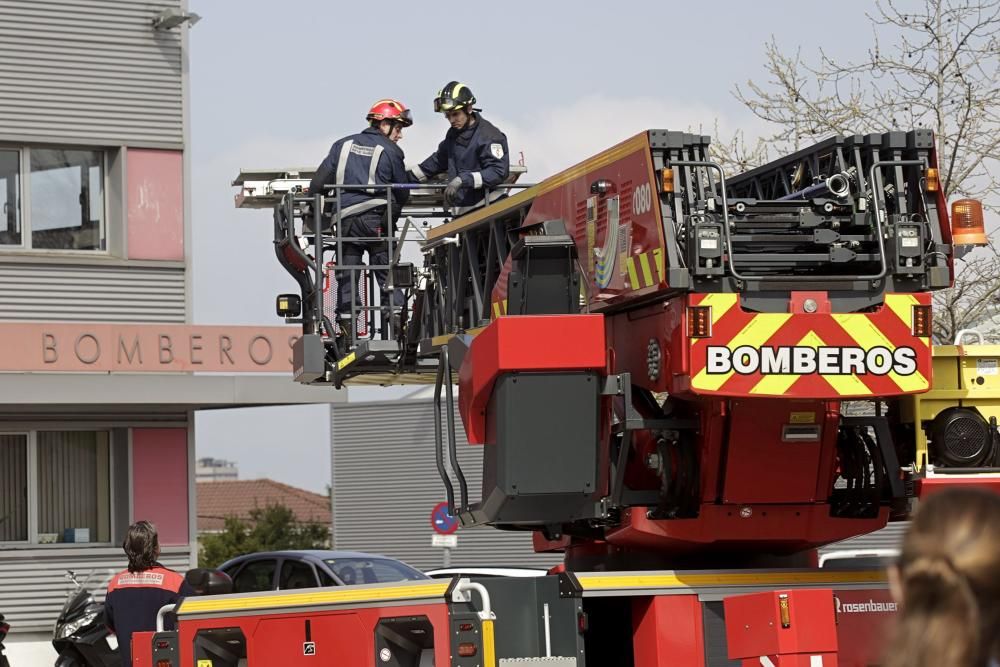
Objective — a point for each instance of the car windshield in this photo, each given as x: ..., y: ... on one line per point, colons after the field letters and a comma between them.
x: 371, y: 570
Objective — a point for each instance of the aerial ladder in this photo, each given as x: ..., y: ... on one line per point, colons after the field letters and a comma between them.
x: 683, y: 380
x: 660, y: 361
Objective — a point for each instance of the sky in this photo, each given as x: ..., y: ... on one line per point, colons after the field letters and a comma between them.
x: 275, y: 84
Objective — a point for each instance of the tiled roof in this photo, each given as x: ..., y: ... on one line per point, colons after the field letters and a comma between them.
x: 218, y: 500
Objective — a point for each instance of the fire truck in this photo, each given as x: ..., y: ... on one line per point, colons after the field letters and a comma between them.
x: 684, y: 381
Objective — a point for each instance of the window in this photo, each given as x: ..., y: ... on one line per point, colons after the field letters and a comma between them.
x: 256, y: 576
x: 372, y: 570
x: 296, y: 574
x: 55, y: 486
x: 10, y: 198
x: 52, y: 199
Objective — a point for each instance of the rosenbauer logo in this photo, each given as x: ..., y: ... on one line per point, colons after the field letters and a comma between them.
x: 869, y: 607
x: 802, y: 360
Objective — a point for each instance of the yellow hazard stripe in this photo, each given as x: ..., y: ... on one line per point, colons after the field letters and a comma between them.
x: 595, y: 582
x: 337, y: 595
x: 345, y: 361
x: 489, y: 644
x: 755, y: 333
x: 844, y: 385
x: 720, y: 305
x: 648, y: 262
x: 867, y: 335
x: 647, y: 272
x: 902, y: 305
x: 658, y: 260
x: 633, y: 275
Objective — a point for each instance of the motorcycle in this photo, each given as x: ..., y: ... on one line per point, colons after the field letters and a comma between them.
x: 4, y: 629
x: 81, y: 636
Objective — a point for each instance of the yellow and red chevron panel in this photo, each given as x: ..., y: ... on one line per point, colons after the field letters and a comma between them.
x: 810, y: 355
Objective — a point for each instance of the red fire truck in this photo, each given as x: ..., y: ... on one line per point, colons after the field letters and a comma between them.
x: 683, y: 381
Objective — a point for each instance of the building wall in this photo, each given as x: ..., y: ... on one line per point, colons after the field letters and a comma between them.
x: 385, y: 485
x: 90, y: 72
x: 93, y: 76
x: 33, y: 585
x: 71, y: 289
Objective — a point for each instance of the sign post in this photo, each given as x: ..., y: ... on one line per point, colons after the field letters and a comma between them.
x: 444, y: 526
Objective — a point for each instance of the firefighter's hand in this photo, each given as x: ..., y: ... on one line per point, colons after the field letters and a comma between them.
x: 451, y: 192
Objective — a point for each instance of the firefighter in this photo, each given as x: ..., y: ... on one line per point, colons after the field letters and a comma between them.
x: 136, y: 594
x: 473, y: 153
x: 371, y: 157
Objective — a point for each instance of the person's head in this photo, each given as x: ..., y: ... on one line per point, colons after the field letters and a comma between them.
x: 390, y: 117
x: 142, y: 546
x: 455, y: 101
x: 947, y: 582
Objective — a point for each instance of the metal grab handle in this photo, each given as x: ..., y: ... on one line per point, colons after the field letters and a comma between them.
x: 463, y: 593
x: 161, y: 614
x: 969, y: 332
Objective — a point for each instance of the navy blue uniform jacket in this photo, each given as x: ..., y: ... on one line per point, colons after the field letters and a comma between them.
x: 133, y: 600
x: 368, y: 158
x: 478, y: 155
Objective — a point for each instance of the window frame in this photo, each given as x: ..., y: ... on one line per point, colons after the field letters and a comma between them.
x: 296, y: 561
x: 31, y: 461
x: 254, y: 561
x: 24, y: 176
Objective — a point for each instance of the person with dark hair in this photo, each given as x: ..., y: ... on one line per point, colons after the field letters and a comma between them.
x: 474, y: 152
x: 136, y: 594
x: 947, y: 583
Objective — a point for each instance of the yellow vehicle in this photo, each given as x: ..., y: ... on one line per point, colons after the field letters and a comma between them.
x: 955, y: 422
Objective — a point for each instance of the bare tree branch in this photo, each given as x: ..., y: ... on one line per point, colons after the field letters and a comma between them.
x: 931, y: 63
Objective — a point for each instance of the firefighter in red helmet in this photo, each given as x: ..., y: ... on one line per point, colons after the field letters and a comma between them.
x: 371, y: 157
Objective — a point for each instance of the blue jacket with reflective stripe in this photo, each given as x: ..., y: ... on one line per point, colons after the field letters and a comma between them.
x: 352, y: 162
x: 477, y: 154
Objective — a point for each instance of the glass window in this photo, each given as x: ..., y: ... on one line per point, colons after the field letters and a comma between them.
x: 55, y: 486
x: 13, y: 487
x: 256, y: 576
x: 10, y: 197
x: 74, y: 497
x: 67, y: 199
x: 296, y: 574
x: 372, y: 570
x: 325, y: 579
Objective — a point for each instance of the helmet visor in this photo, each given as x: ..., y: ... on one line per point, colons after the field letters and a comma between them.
x: 405, y: 118
x: 444, y: 104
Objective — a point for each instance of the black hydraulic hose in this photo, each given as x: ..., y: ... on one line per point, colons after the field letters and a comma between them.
x: 452, y: 449
x: 439, y: 438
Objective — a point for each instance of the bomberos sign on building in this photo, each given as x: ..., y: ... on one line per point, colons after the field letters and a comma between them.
x: 144, y: 348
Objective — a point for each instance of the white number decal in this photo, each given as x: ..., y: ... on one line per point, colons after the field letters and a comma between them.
x: 642, y: 199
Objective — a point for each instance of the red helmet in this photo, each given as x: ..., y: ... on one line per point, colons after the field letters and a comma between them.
x: 390, y: 110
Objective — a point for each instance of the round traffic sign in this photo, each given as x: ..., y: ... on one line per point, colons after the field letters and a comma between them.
x: 442, y: 522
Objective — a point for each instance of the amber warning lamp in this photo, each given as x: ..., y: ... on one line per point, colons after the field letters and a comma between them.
x: 666, y: 180
x: 967, y: 223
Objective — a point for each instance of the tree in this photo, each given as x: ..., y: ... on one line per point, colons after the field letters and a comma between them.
x: 271, y: 528
x: 936, y: 65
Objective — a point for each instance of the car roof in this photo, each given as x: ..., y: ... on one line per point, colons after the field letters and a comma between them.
x: 487, y: 572
x: 319, y: 554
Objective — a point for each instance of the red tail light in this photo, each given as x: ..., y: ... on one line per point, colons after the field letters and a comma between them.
x: 921, y: 321
x: 466, y: 649
x: 699, y: 321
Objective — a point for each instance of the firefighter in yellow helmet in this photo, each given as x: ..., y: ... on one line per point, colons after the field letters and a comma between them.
x: 474, y: 152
